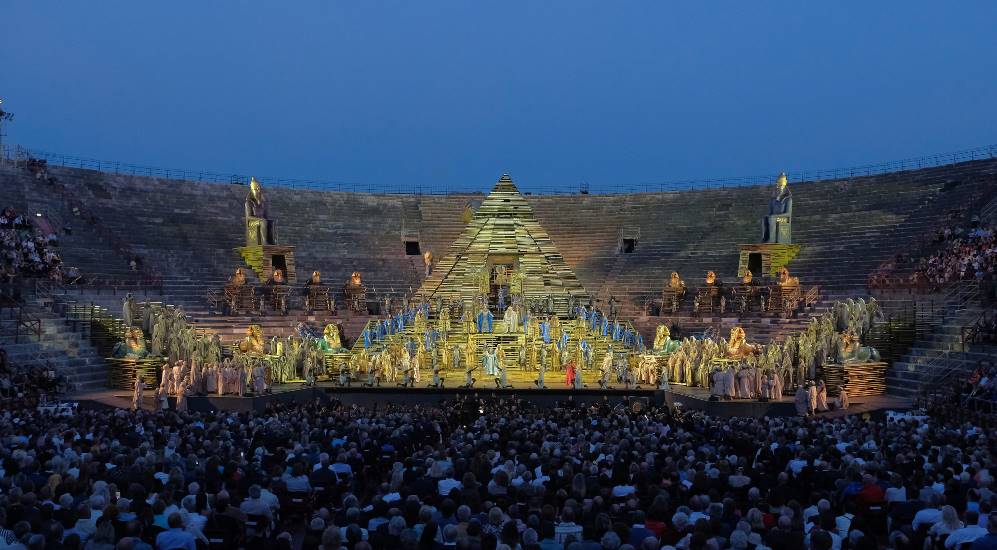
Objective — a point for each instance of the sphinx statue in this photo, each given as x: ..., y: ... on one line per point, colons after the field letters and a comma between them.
x: 238, y: 278
x: 331, y: 341
x: 748, y: 278
x: 777, y: 225
x: 260, y: 229
x: 133, y: 346
x: 787, y: 281
x: 849, y: 350
x: 738, y: 347
x: 663, y: 342
x: 253, y: 342
x: 673, y: 293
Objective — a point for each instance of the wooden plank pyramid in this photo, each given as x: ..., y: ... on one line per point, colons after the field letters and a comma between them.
x: 504, y: 227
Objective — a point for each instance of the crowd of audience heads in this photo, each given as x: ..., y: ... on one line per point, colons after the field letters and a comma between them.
x: 961, y: 253
x: 27, y: 247
x: 26, y: 386
x: 499, y: 474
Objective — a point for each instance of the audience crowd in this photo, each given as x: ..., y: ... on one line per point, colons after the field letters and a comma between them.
x: 965, y: 253
x: 499, y: 474
x: 22, y: 386
x: 27, y: 248
x: 962, y: 254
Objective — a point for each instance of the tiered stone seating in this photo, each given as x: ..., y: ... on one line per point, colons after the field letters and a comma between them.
x: 846, y: 228
x: 938, y: 357
x: 189, y: 231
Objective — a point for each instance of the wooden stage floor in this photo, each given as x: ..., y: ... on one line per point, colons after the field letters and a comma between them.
x: 682, y: 396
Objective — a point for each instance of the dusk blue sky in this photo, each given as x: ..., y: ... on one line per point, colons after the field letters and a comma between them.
x: 454, y: 93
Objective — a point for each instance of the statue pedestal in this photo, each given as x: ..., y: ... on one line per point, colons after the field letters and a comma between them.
x: 765, y: 259
x: 263, y: 259
x: 860, y: 379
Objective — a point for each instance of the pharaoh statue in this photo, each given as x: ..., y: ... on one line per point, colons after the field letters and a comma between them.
x: 331, y: 340
x: 777, y: 225
x: 663, y: 342
x: 427, y: 260
x: 260, y: 229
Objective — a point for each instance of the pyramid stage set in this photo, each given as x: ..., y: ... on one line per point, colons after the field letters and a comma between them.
x: 500, y: 314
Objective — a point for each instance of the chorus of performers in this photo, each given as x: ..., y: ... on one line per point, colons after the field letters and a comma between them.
x: 732, y: 368
x: 275, y: 294
x: 443, y: 338
x: 782, y: 295
x: 196, y: 363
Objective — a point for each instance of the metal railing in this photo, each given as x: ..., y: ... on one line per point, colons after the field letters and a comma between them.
x: 936, y: 362
x: 18, y: 155
x: 22, y: 323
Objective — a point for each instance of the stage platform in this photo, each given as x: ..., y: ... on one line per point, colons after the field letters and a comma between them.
x: 684, y: 397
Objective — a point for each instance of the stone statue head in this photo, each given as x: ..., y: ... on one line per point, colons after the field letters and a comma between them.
x: 355, y: 279
x: 746, y: 279
x: 255, y: 189
x: 780, y: 184
x: 278, y: 275
x: 674, y: 280
x: 316, y: 276
x: 711, y: 277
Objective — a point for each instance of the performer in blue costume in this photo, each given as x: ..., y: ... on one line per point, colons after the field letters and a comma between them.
x: 587, y: 353
x: 366, y: 338
x: 545, y: 331
x: 605, y: 325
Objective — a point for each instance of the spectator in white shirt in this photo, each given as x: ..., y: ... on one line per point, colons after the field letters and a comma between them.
x: 947, y: 524
x: 930, y: 515
x: 297, y: 481
x: 969, y: 533
x: 447, y: 484
x: 254, y: 505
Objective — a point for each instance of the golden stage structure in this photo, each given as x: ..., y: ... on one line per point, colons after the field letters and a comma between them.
x: 504, y: 243
x: 502, y: 296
